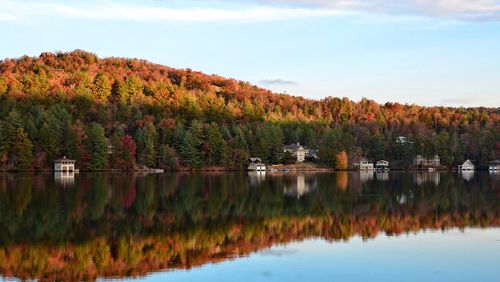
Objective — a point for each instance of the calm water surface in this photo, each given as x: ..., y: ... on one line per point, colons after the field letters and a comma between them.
x: 251, y: 227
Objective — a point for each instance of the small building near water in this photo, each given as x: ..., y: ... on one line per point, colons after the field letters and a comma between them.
x: 365, y: 165
x: 382, y: 165
x: 422, y: 161
x: 494, y: 165
x: 467, y: 165
x: 256, y: 164
x: 64, y: 164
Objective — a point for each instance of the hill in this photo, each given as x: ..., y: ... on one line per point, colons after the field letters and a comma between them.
x: 124, y: 113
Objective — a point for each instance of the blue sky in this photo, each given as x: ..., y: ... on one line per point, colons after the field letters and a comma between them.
x: 440, y: 52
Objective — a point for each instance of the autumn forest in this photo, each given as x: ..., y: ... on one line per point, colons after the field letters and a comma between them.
x: 129, y: 113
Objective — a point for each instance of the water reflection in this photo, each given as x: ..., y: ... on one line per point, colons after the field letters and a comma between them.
x: 342, y: 180
x: 126, y: 225
x: 256, y: 177
x: 64, y: 178
x: 467, y: 175
x: 422, y: 178
x: 382, y: 176
x: 299, y: 185
x: 365, y: 176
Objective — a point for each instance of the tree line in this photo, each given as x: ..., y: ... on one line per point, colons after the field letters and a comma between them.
x: 129, y: 113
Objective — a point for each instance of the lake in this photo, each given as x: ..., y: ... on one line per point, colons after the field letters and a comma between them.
x: 351, y: 226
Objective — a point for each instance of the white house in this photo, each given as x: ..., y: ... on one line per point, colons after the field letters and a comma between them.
x: 382, y: 165
x: 297, y: 151
x: 427, y: 161
x: 64, y: 164
x: 494, y: 165
x: 365, y: 165
x: 467, y: 165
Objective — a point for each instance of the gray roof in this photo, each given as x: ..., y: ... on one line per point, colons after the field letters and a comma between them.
x: 64, y: 159
x: 495, y: 162
x: 468, y: 162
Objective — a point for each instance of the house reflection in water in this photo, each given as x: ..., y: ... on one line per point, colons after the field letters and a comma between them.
x: 467, y: 175
x: 64, y: 178
x: 256, y: 177
x: 427, y: 177
x: 299, y: 186
x: 382, y: 176
x: 366, y: 175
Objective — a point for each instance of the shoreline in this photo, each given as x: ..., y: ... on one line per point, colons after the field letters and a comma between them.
x: 211, y: 169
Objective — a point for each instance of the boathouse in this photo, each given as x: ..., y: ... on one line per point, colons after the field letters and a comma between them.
x: 64, y: 164
x: 467, y: 165
x: 382, y: 165
x: 494, y: 165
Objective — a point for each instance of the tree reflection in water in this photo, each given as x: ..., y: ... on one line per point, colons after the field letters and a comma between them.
x: 103, y: 225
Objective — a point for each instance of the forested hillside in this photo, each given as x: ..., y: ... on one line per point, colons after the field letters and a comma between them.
x: 124, y: 113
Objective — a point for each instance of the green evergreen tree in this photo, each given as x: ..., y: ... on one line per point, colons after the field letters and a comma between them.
x: 217, y: 147
x: 330, y: 146
x: 190, y: 149
x: 49, y: 142
x: 96, y: 146
x: 21, y: 154
x: 145, y: 138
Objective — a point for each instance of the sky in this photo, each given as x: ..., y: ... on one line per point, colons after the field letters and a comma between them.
x: 427, y: 52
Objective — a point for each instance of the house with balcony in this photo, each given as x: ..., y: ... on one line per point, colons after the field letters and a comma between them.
x: 299, y: 152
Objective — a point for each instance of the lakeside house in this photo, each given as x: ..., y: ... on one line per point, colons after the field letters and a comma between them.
x: 365, y: 165
x: 427, y: 161
x: 64, y: 164
x: 382, y: 165
x: 256, y: 164
x: 467, y: 165
x: 494, y: 165
x: 401, y: 139
x: 300, y: 153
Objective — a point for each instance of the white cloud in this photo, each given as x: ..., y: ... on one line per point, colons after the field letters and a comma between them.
x: 24, y: 12
x: 473, y: 10
x: 15, y: 11
x: 278, y: 81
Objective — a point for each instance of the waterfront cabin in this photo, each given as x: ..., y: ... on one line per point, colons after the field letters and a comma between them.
x: 64, y: 164
x: 382, y: 165
x: 467, y: 165
x: 256, y: 164
x: 365, y: 165
x: 494, y: 165
x: 427, y: 161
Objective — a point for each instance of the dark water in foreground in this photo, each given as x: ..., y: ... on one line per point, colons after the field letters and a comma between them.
x: 251, y: 227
